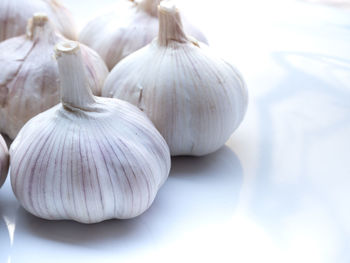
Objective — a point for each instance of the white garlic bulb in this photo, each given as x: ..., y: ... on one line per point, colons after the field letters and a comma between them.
x: 132, y: 26
x: 89, y: 158
x: 4, y: 160
x: 195, y: 99
x: 14, y: 15
x: 29, y: 79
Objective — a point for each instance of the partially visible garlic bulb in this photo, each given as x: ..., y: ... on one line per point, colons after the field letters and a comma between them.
x: 89, y: 158
x: 4, y: 160
x: 29, y: 79
x: 14, y: 15
x: 130, y: 27
x: 195, y: 99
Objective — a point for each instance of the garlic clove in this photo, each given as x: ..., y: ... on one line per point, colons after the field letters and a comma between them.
x: 4, y: 160
x: 194, y: 98
x: 88, y: 158
x: 133, y: 25
x: 29, y: 79
x: 14, y: 15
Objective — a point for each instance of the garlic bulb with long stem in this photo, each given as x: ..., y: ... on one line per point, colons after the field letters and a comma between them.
x: 29, y: 79
x: 133, y: 25
x: 87, y: 159
x: 14, y: 15
x: 195, y: 99
x: 4, y: 160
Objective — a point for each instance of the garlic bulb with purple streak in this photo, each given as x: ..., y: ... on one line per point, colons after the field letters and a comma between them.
x: 130, y: 27
x: 195, y: 99
x: 14, y: 15
x: 89, y: 158
x: 4, y: 160
x: 29, y: 80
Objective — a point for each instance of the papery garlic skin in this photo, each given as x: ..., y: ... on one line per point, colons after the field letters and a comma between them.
x: 29, y: 79
x: 132, y: 26
x: 195, y: 99
x: 14, y: 15
x: 4, y: 160
x: 87, y: 159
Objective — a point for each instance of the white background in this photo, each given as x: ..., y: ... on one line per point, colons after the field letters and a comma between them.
x: 277, y: 192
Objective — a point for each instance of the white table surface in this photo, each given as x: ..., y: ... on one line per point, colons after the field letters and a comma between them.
x: 279, y: 191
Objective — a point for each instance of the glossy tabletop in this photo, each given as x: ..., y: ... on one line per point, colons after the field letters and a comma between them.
x: 279, y: 191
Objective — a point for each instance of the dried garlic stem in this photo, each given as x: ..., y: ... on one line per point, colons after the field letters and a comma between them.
x: 74, y: 89
x: 38, y: 25
x: 170, y: 25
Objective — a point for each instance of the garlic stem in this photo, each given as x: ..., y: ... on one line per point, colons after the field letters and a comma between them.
x: 74, y: 87
x: 37, y: 25
x: 170, y: 24
x: 149, y: 6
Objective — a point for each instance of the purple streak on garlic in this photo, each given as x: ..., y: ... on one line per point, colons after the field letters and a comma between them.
x: 133, y: 25
x: 194, y: 98
x: 14, y: 15
x: 4, y: 160
x: 87, y: 159
x: 29, y: 79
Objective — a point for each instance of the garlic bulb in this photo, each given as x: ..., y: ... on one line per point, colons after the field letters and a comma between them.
x: 4, y: 160
x: 133, y: 25
x: 14, y: 15
x: 87, y: 159
x: 195, y: 99
x: 29, y: 79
